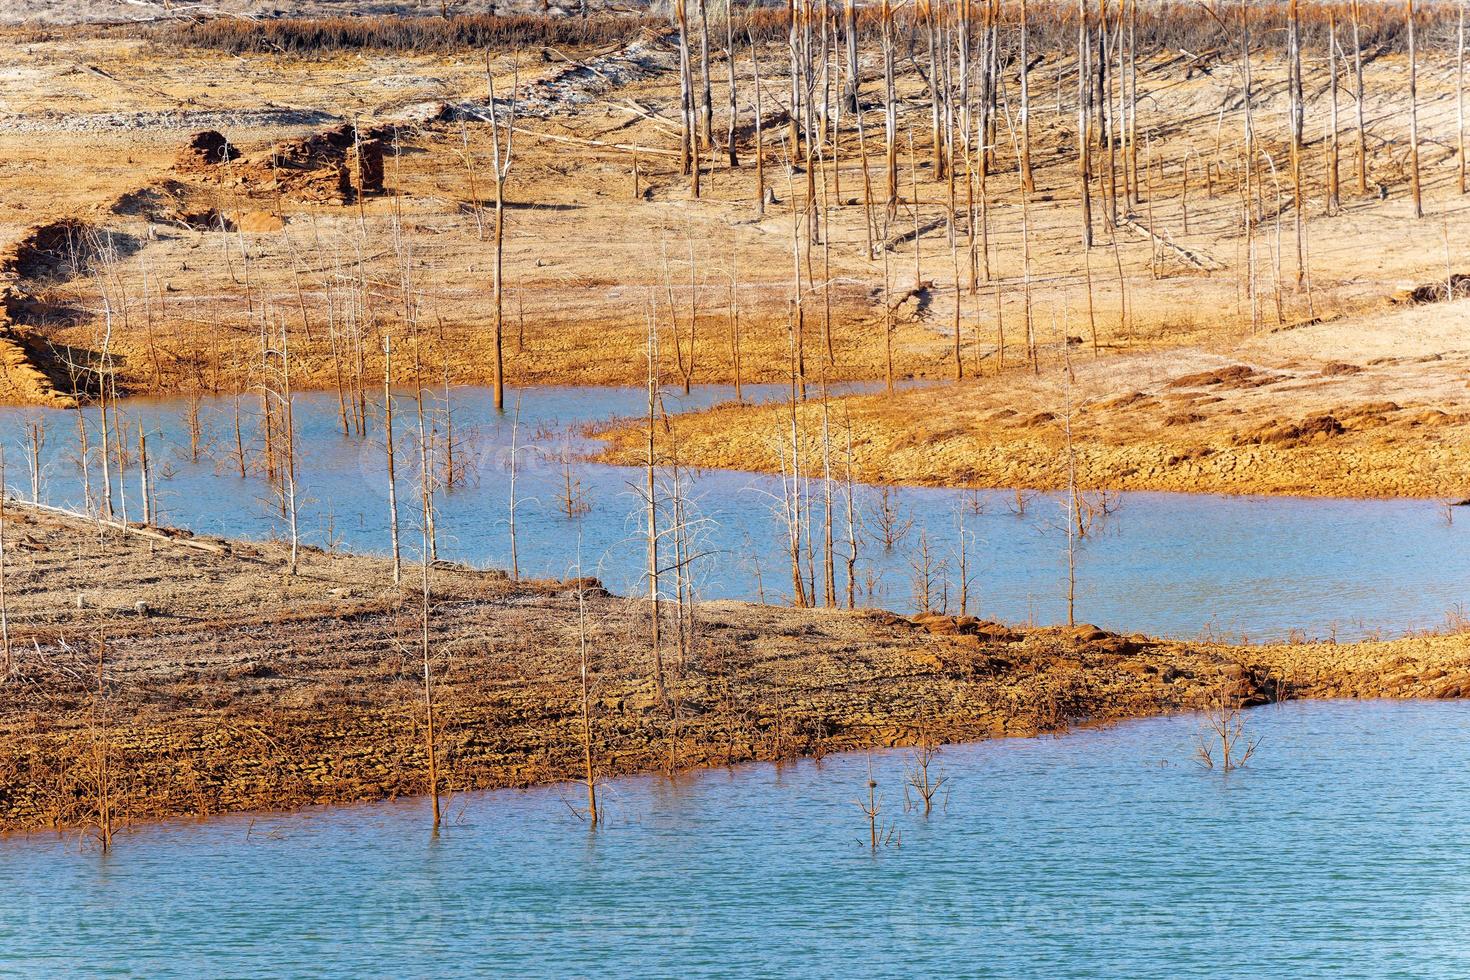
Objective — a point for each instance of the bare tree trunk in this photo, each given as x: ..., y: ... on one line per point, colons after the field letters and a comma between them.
x: 1460, y: 94
x: 734, y: 310
x: 1130, y: 80
x: 850, y: 30
x: 688, y: 150
x: 1358, y: 101
x: 1109, y: 109
x: 1334, y: 196
x: 103, y: 386
x: 515, y: 449
x: 890, y: 108
x: 730, y: 149
x: 760, y: 150
x: 388, y: 440
x: 4, y: 604
x: 1296, y: 121
x: 706, y: 99
x: 588, y: 775
x: 143, y: 477
x: 1028, y: 181
x: 1414, y: 188
x: 1084, y: 116
x: 290, y: 470
x: 829, y: 567
x: 501, y: 165
x: 429, y: 746
x: 651, y: 488
x: 101, y: 754
x: 1073, y: 508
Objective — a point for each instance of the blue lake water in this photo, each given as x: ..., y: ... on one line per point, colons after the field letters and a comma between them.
x: 1339, y: 851
x: 1168, y: 564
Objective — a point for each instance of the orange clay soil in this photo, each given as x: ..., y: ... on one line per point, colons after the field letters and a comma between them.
x: 1370, y: 407
x: 94, y: 126
x: 226, y: 684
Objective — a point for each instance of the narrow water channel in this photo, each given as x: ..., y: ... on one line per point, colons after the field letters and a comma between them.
x: 1166, y: 564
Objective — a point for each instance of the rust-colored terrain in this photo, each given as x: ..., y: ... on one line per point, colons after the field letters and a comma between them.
x: 227, y: 684
x: 172, y: 194
x: 196, y: 194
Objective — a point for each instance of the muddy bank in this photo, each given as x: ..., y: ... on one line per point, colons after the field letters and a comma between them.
x: 228, y: 685
x: 1187, y: 420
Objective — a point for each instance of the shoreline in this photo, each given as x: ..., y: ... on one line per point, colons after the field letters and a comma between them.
x: 577, y: 788
x: 240, y: 688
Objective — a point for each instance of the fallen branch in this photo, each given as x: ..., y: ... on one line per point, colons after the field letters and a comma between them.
x: 142, y: 532
x: 1197, y: 259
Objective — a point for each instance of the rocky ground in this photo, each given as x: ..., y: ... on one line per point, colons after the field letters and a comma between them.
x: 196, y: 676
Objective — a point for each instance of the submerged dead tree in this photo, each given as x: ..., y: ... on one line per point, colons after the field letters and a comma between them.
x: 388, y: 442
x: 589, y: 776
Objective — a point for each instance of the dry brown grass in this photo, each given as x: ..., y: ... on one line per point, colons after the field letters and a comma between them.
x: 245, y: 688
x: 303, y: 36
x: 585, y: 262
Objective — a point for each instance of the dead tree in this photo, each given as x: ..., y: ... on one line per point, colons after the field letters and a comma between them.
x: 1414, y: 188
x: 760, y: 146
x: 890, y: 106
x: 144, y: 477
x: 651, y: 488
x: 706, y: 93
x: 1028, y: 180
x: 1460, y: 94
x: 102, y: 754
x: 688, y: 124
x: 1073, y: 508
x: 426, y: 498
x: 1334, y: 196
x: 388, y: 442
x: 1362, y: 133
x: 1224, y: 731
x: 515, y: 451
x: 588, y: 775
x: 730, y: 147
x: 500, y: 152
x: 4, y: 605
x: 1296, y: 120
x: 1084, y: 118
x: 277, y: 391
x: 925, y: 783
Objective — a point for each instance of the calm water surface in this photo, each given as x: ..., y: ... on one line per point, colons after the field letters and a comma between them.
x: 1168, y: 564
x: 1340, y: 851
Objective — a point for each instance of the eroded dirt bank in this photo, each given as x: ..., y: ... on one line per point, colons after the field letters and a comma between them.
x: 235, y: 686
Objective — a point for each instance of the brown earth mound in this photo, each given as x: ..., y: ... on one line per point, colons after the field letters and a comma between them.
x: 325, y: 166
x: 1313, y: 429
x: 1457, y: 286
x: 206, y: 149
x: 330, y: 166
x: 1234, y: 376
x: 45, y: 249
